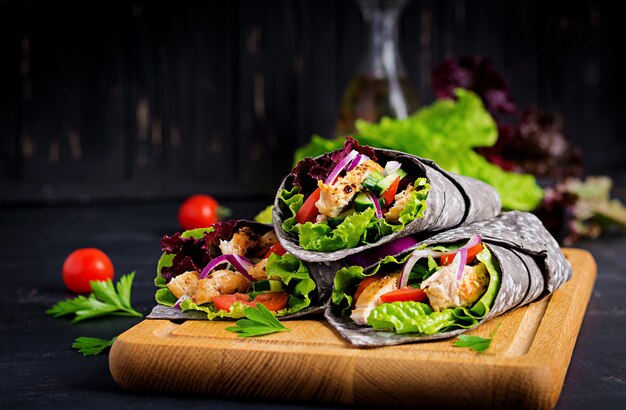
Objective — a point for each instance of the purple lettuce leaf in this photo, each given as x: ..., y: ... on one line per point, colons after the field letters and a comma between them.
x: 194, y: 254
x: 308, y: 171
x: 476, y: 73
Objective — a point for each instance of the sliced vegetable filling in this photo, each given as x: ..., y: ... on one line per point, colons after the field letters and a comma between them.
x: 353, y: 201
x: 223, y: 269
x: 425, y: 292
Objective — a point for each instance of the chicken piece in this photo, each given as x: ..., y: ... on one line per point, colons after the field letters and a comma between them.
x: 221, y: 282
x: 263, y: 244
x: 444, y: 291
x: 185, y: 284
x: 335, y: 197
x: 242, y: 240
x: 259, y: 271
x: 370, y: 298
x: 400, y: 201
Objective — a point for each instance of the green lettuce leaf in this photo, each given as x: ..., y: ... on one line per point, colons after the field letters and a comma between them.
x: 348, y: 234
x: 296, y: 277
x: 236, y: 310
x: 165, y: 297
x: 265, y: 216
x: 437, y: 131
x: 410, y: 317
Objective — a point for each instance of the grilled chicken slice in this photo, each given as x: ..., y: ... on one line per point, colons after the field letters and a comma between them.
x: 335, y: 197
x: 259, y: 271
x: 220, y: 282
x: 444, y: 291
x: 185, y: 284
x: 242, y: 240
x: 400, y: 201
x: 370, y: 298
x: 264, y: 243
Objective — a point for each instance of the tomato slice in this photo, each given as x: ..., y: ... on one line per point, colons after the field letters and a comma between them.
x: 273, y: 301
x: 277, y: 249
x: 364, y: 284
x: 404, y: 294
x: 224, y: 302
x: 471, y: 254
x: 308, y: 211
x: 391, y: 191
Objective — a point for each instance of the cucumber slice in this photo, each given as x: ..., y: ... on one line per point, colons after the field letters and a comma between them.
x: 372, y: 179
x: 382, y: 185
x: 362, y: 202
x: 268, y: 285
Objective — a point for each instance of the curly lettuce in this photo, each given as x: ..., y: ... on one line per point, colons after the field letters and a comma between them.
x: 358, y: 228
x: 447, y: 132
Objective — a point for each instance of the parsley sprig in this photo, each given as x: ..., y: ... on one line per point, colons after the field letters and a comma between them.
x: 106, y: 299
x: 90, y: 346
x: 260, y: 321
x: 476, y: 343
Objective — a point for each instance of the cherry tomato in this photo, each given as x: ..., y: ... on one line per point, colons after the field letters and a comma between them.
x: 277, y: 249
x: 198, y: 211
x: 471, y: 254
x: 84, y: 265
x: 404, y: 294
x: 308, y: 211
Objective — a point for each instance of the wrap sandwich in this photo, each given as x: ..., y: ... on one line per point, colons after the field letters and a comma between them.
x: 217, y: 272
x: 359, y: 197
x: 411, y: 291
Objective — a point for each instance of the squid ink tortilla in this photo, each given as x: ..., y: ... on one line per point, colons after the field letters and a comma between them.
x: 518, y: 262
x: 358, y: 198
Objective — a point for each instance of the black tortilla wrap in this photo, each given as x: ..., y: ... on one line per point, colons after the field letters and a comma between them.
x: 453, y: 200
x: 322, y: 274
x: 530, y: 261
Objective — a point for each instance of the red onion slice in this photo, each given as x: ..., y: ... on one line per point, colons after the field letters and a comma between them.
x: 180, y: 299
x: 340, y: 166
x: 241, y: 263
x: 408, y: 266
x: 220, y: 260
x: 379, y: 212
x: 356, y: 161
x: 461, y: 259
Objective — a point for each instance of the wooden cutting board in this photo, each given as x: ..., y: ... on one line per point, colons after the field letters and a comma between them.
x: 524, y: 367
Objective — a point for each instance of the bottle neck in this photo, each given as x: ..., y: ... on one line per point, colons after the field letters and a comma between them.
x: 383, y: 57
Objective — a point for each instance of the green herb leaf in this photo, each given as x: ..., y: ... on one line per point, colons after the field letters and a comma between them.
x: 104, y: 300
x: 476, y: 343
x: 260, y: 321
x: 90, y: 346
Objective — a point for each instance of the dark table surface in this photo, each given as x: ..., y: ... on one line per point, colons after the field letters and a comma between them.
x: 40, y: 370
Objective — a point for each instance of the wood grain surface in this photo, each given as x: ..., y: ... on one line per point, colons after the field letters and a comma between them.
x: 524, y: 367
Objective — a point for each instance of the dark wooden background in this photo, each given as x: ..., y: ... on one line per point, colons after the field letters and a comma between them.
x: 109, y: 101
